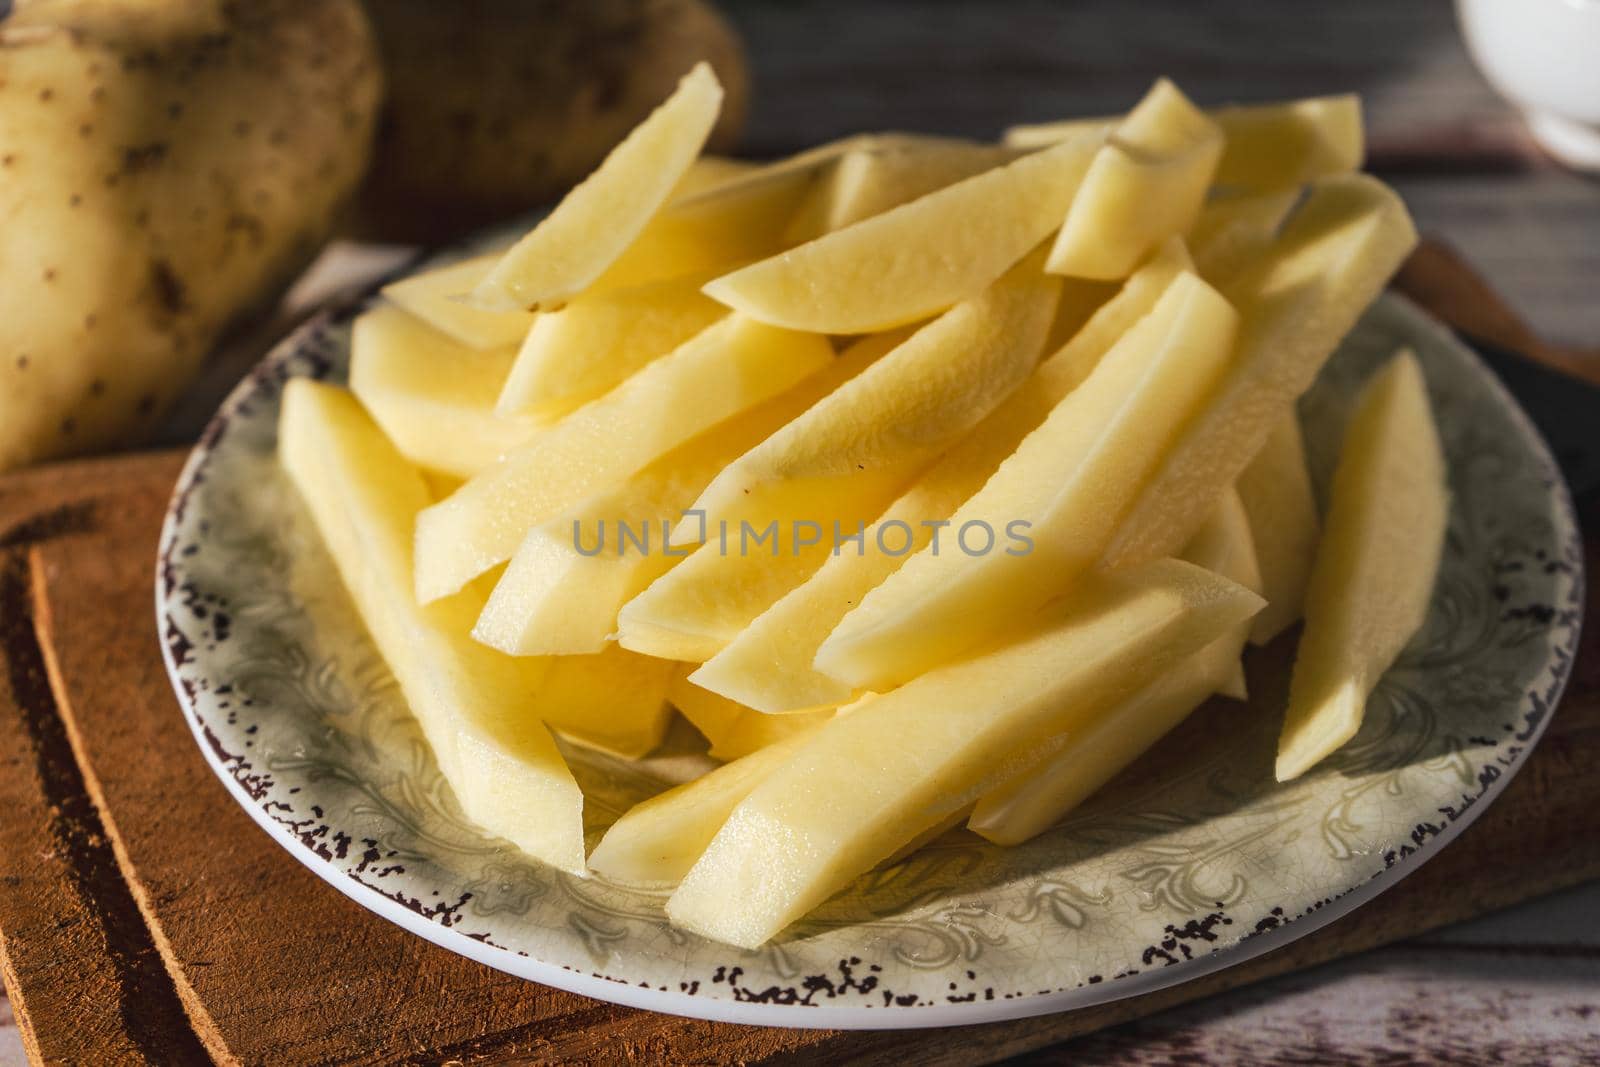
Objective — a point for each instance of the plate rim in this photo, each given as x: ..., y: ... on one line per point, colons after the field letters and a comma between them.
x: 864, y: 1017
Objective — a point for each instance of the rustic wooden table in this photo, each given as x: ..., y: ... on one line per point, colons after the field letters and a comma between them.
x: 1522, y: 986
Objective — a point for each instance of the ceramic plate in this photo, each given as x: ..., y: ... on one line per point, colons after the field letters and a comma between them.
x: 1193, y: 860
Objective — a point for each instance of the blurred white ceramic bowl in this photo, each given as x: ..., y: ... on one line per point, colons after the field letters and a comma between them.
x: 1544, y: 56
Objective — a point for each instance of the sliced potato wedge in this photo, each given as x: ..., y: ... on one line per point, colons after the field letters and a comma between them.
x: 432, y: 395
x: 612, y: 700
x: 1102, y: 746
x: 692, y: 611
x: 597, y: 221
x: 918, y: 259
x: 473, y: 703
x: 1234, y: 231
x: 1332, y: 259
x: 1224, y: 545
x: 1268, y: 146
x: 769, y: 664
x: 1048, y: 512
x: 436, y: 297
x: 725, y: 369
x: 1277, y: 495
x: 574, y: 355
x: 1375, y: 568
x: 561, y: 592
x: 856, y: 449
x: 873, y: 178
x: 656, y: 842
x: 868, y: 782
x: 734, y: 729
x: 1145, y: 185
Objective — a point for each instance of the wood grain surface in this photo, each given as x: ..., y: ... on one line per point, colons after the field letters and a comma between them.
x: 214, y: 943
x: 85, y: 980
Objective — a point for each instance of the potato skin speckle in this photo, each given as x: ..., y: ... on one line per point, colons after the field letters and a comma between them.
x: 460, y: 145
x: 144, y: 207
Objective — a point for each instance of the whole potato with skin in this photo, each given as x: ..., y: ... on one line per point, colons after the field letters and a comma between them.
x: 497, y: 106
x: 164, y: 165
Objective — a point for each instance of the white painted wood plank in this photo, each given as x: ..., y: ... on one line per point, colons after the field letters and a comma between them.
x: 1410, y: 1005
x: 11, y: 1050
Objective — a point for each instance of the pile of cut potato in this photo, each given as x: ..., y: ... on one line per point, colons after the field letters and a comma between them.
x: 932, y: 481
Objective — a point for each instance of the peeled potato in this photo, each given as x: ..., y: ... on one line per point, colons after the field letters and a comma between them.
x: 1268, y: 146
x: 433, y: 397
x: 163, y: 168
x: 870, y: 781
x: 873, y: 178
x: 1146, y: 184
x: 858, y: 447
x: 917, y: 259
x: 434, y: 297
x: 731, y: 365
x: 1374, y: 572
x: 562, y: 589
x: 1277, y: 495
x: 1068, y: 483
x: 595, y: 222
x: 733, y: 368
x: 733, y: 729
x: 1334, y: 256
x: 473, y: 703
x: 1097, y: 751
x: 656, y: 842
x: 769, y: 664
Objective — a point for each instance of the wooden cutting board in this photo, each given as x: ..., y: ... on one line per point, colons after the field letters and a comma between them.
x: 145, y: 918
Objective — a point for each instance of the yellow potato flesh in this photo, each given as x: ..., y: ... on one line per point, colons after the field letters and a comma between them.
x: 1277, y: 145
x: 1332, y: 259
x: 601, y: 217
x: 433, y: 396
x: 561, y: 592
x: 1233, y: 232
x: 768, y: 665
x: 1101, y: 746
x: 656, y: 842
x: 576, y: 354
x: 691, y: 612
x: 1070, y: 481
x: 1134, y: 299
x: 870, y: 180
x: 733, y: 729
x: 711, y: 227
x: 868, y: 782
x: 727, y: 368
x: 855, y: 450
x: 435, y: 297
x: 754, y: 731
x: 917, y: 259
x: 712, y: 172
x: 1277, y: 495
x: 612, y: 700
x: 713, y: 232
x: 1375, y: 568
x: 1225, y: 546
x: 473, y: 703
x: 1146, y: 184
x: 1267, y: 146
